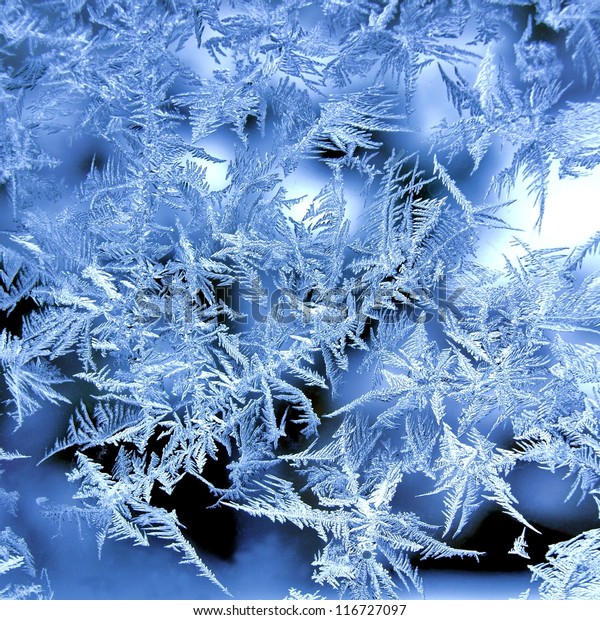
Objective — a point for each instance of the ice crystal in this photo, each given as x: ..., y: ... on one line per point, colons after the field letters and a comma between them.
x: 178, y: 318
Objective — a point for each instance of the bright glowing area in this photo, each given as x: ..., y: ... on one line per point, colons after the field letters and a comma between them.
x: 571, y: 217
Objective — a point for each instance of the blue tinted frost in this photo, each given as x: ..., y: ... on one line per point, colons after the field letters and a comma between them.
x: 339, y: 378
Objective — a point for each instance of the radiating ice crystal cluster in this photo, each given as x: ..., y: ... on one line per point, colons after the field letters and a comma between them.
x: 241, y: 275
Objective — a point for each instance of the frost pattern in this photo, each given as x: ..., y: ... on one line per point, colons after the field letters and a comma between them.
x: 200, y: 320
x: 16, y: 560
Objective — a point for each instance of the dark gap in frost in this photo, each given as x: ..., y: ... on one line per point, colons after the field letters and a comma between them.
x: 495, y: 535
x: 12, y: 320
x: 208, y: 526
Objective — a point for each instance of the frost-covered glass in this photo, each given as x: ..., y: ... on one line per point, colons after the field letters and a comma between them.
x: 275, y: 295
